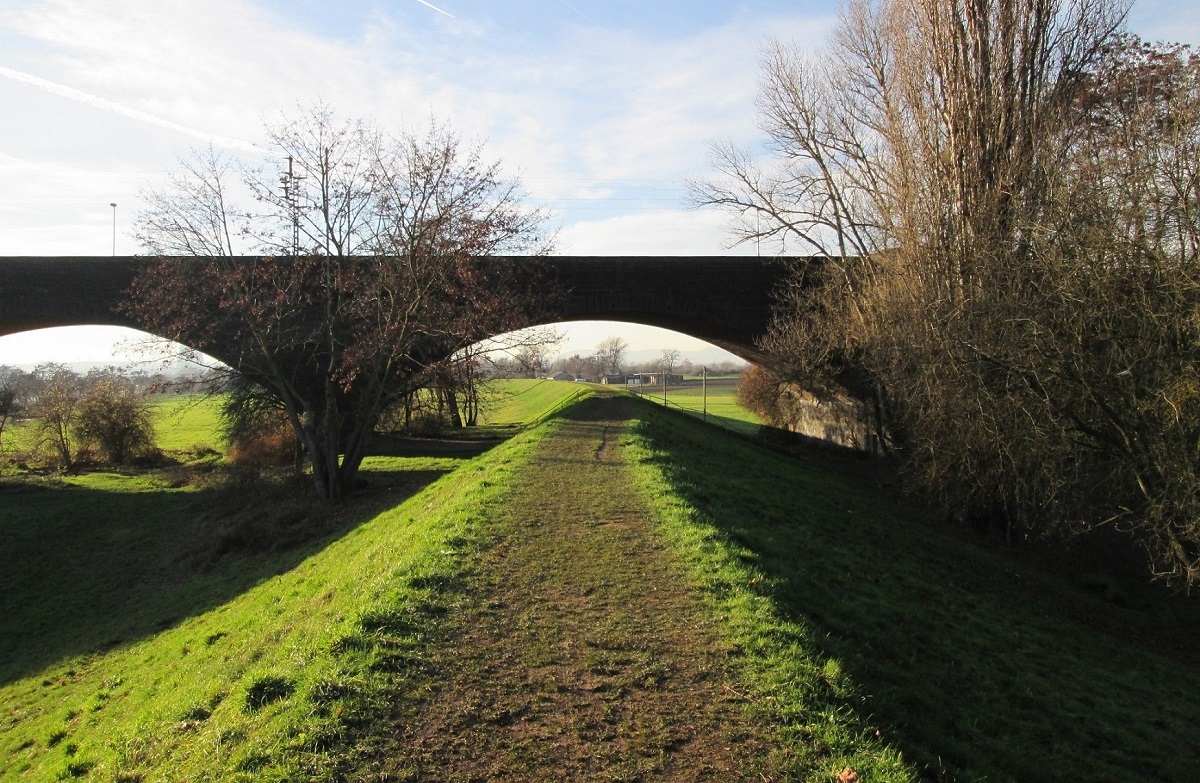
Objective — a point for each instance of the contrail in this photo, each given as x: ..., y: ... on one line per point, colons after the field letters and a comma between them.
x: 585, y: 17
x: 434, y: 7
x: 102, y: 103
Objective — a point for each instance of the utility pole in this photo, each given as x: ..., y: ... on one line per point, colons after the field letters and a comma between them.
x: 704, y: 389
x: 291, y: 196
x: 114, y: 207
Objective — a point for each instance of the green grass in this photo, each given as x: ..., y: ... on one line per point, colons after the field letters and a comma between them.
x: 876, y: 637
x: 20, y: 438
x: 186, y: 423
x: 577, y: 651
x: 190, y: 425
x: 719, y: 400
x: 516, y: 402
x: 180, y: 625
x: 264, y: 661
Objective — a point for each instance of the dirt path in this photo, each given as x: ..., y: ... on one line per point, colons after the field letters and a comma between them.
x: 579, y: 652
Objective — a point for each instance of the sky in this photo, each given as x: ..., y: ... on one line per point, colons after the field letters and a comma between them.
x: 602, y: 108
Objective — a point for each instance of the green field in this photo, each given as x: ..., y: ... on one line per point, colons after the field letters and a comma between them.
x: 183, y: 424
x: 188, y: 423
x: 715, y: 402
x: 187, y: 625
x: 20, y: 438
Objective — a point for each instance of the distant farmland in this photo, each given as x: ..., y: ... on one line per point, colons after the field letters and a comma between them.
x: 717, y: 397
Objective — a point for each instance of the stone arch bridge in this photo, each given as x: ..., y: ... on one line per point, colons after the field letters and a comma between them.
x: 724, y: 300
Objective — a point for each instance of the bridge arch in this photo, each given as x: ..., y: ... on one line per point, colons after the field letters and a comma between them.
x: 645, y: 343
x: 723, y: 300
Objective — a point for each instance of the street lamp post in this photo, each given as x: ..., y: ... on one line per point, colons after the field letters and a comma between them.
x: 114, y: 206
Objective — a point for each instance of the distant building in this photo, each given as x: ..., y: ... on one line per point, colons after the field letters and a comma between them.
x: 561, y: 376
x: 657, y: 378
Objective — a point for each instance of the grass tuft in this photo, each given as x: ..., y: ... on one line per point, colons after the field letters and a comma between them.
x: 267, y: 690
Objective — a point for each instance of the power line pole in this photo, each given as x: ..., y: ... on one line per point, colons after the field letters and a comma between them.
x: 291, y: 196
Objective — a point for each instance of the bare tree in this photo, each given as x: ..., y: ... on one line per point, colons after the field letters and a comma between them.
x: 368, y: 274
x: 59, y: 391
x: 194, y: 214
x: 582, y: 366
x: 669, y: 359
x: 611, y: 354
x: 1005, y: 194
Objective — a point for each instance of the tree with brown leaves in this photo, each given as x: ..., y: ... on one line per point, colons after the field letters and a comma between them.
x: 365, y: 271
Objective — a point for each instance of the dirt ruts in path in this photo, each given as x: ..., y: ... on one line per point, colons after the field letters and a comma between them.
x: 578, y: 652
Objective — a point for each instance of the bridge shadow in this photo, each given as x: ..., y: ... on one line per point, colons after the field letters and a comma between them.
x: 93, y: 567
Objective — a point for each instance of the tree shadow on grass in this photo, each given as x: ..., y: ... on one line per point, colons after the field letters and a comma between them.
x: 92, y: 565
x: 973, y: 663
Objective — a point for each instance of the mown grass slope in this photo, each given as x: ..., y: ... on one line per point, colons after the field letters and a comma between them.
x: 518, y: 402
x: 270, y: 654
x: 865, y: 628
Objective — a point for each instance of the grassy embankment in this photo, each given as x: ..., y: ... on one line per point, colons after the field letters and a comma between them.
x: 576, y: 649
x: 178, y: 625
x: 865, y: 627
x: 862, y: 634
x: 518, y: 403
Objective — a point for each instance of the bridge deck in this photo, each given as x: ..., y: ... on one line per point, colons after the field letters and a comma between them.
x: 725, y: 300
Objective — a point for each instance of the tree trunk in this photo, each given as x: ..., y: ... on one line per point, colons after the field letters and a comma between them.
x: 452, y: 406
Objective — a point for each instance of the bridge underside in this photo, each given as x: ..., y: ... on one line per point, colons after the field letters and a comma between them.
x: 724, y: 300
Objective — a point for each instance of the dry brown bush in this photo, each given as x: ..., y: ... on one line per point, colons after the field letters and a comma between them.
x: 1005, y: 197
x: 271, y: 447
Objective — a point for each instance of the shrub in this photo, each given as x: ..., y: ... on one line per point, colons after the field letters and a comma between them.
x: 266, y: 448
x: 256, y: 429
x: 115, y: 417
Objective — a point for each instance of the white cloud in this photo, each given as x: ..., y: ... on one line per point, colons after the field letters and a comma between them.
x: 590, y: 107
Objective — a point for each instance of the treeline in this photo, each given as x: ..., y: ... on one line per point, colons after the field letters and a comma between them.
x: 1005, y: 201
x: 592, y: 367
